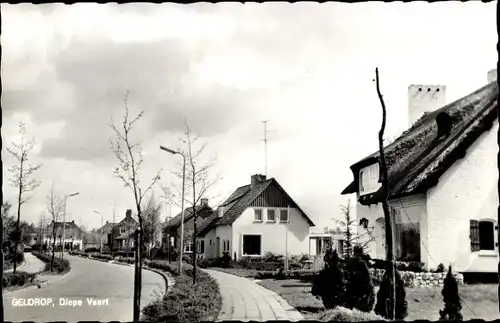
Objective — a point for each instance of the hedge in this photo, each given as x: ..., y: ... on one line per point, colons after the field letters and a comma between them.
x: 185, y: 302
x: 341, y: 314
x: 60, y: 266
x: 20, y: 278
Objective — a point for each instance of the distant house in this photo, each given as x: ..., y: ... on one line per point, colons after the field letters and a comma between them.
x: 172, y: 227
x: 442, y: 175
x: 123, y: 235
x: 73, y: 235
x: 253, y: 221
x: 320, y: 241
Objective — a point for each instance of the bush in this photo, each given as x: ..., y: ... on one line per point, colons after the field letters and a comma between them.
x: 328, y: 285
x: 20, y: 278
x: 440, y: 269
x: 92, y: 249
x: 451, y: 298
x: 342, y: 314
x: 60, y: 266
x: 383, y: 298
x: 186, y: 302
x: 103, y: 257
x: 360, y: 293
x: 225, y: 260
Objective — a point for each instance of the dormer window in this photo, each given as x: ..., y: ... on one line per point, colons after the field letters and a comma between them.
x: 369, y: 179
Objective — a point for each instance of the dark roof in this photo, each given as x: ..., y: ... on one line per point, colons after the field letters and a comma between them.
x: 107, y: 227
x: 202, y: 211
x: 417, y: 158
x: 126, y: 234
x: 239, y: 201
x: 68, y: 225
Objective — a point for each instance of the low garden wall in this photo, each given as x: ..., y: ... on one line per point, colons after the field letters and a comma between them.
x: 413, y: 279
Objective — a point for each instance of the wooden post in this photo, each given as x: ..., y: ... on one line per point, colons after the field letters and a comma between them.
x: 391, y: 306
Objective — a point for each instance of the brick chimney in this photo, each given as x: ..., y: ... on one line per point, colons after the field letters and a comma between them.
x: 492, y: 76
x: 128, y: 213
x: 204, y: 201
x: 424, y: 98
x: 257, y: 178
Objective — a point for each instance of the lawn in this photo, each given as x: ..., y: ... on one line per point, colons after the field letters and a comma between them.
x: 478, y: 301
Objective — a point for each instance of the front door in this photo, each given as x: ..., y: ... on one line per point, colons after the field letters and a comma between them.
x: 217, y: 247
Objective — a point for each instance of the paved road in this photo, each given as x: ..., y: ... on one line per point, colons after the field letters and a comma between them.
x: 87, y: 279
x: 245, y: 300
x: 31, y: 264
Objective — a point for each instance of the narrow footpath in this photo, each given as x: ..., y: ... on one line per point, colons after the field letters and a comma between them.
x: 245, y: 300
x: 31, y: 264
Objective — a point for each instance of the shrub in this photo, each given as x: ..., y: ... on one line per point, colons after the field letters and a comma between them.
x: 225, y: 260
x: 60, y: 266
x: 383, y: 298
x: 186, y: 302
x: 20, y: 278
x: 103, y: 257
x: 360, y: 293
x: 92, y: 249
x: 329, y: 283
x: 342, y: 314
x: 440, y: 268
x: 451, y: 298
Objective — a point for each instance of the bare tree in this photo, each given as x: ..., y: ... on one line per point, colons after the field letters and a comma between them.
x: 152, y: 222
x: 385, y: 205
x: 353, y: 239
x: 199, y: 180
x: 22, y: 177
x: 55, y: 208
x: 130, y: 160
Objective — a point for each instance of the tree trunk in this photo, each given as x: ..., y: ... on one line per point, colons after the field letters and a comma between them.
x: 53, y: 249
x: 391, y: 306
x: 1, y: 275
x: 137, y: 283
x: 18, y: 232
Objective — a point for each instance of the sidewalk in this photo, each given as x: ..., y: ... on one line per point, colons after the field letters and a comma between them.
x: 30, y: 265
x: 242, y: 299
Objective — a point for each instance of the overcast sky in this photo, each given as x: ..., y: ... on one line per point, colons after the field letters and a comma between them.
x: 308, y: 68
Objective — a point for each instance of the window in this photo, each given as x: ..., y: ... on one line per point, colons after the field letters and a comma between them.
x: 258, y: 215
x: 252, y: 245
x: 271, y: 216
x: 482, y: 235
x: 188, y: 247
x: 225, y: 246
x: 210, y: 242
x: 407, y: 235
x: 122, y: 230
x: 284, y: 216
x: 361, y: 188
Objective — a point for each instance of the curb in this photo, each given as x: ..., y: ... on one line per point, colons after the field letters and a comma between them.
x: 169, y: 281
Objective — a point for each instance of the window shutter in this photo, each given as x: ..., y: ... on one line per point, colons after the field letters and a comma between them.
x: 474, y: 236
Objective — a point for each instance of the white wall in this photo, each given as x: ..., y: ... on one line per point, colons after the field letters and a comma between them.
x: 273, y: 234
x: 468, y: 190
x: 222, y: 232
x: 412, y: 208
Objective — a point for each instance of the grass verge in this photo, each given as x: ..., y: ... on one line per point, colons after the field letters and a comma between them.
x: 185, y: 302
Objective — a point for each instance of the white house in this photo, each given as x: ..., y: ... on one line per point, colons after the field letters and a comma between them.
x: 254, y: 220
x: 443, y: 180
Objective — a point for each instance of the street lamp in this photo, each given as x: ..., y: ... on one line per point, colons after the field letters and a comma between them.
x: 64, y: 222
x: 101, y: 228
x: 182, y: 201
